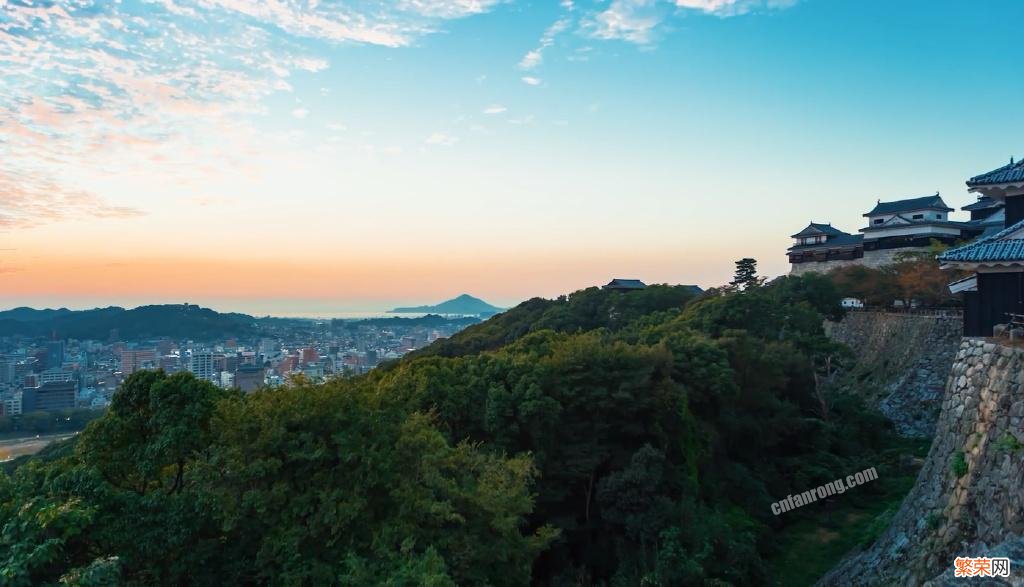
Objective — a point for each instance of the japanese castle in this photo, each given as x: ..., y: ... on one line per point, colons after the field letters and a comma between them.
x: 892, y: 228
x: 995, y: 287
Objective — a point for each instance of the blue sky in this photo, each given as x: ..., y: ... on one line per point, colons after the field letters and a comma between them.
x: 377, y: 152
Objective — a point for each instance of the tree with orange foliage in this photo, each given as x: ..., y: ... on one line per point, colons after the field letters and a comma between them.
x: 914, y: 279
x: 920, y: 279
x: 874, y: 287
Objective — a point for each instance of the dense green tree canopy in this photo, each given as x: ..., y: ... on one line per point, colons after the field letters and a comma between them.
x: 183, y: 483
x: 603, y: 438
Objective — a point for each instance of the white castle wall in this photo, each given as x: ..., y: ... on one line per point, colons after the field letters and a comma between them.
x: 875, y: 259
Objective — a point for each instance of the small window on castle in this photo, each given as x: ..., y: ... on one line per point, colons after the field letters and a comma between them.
x: 918, y: 216
x: 879, y: 220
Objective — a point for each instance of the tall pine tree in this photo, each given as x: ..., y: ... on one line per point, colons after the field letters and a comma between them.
x: 746, y: 274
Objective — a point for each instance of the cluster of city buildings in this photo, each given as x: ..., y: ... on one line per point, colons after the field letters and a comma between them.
x: 54, y: 375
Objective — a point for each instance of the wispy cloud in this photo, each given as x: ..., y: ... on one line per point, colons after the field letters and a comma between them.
x: 98, y: 89
x: 522, y: 120
x: 93, y: 85
x: 304, y: 20
x: 581, y: 53
x: 205, y: 201
x: 629, y: 20
x: 441, y: 138
x: 733, y: 7
x: 495, y: 109
x: 534, y: 57
x: 30, y: 201
x: 360, y: 22
x: 637, y: 21
x: 448, y: 8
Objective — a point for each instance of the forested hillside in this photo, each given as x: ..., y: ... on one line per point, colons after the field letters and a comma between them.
x: 603, y: 438
x: 168, y: 320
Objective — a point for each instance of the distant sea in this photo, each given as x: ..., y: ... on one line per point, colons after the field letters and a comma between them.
x: 343, y: 315
x: 312, y: 310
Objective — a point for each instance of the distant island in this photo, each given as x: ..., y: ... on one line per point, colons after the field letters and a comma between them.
x: 464, y: 304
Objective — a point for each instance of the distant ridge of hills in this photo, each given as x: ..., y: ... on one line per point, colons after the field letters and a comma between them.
x: 463, y: 304
x: 170, y: 320
x: 25, y: 314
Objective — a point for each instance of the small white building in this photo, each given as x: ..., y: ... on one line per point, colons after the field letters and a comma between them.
x: 851, y: 303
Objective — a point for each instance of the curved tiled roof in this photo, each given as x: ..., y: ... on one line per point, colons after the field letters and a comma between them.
x: 815, y: 228
x: 1012, y: 172
x: 997, y: 248
x: 924, y: 203
x: 983, y: 203
x: 997, y: 218
x: 625, y: 284
x: 843, y: 240
x: 911, y: 222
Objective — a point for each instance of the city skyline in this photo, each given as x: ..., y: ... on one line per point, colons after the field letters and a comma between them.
x: 291, y: 157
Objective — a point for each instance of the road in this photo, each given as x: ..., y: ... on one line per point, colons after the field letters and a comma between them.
x: 16, y: 447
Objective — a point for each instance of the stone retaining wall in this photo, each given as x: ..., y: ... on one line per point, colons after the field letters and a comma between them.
x: 904, y: 359
x: 969, y: 495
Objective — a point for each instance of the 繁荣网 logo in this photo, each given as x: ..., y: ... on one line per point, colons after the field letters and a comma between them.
x: 981, y: 567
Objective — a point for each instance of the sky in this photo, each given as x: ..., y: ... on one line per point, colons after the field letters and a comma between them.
x: 302, y: 157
